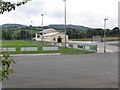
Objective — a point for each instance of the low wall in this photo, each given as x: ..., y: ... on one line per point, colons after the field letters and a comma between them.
x: 23, y: 49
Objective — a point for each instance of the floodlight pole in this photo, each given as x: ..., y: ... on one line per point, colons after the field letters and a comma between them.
x: 105, y: 34
x: 26, y: 31
x: 65, y: 22
x: 42, y: 27
x: 31, y: 29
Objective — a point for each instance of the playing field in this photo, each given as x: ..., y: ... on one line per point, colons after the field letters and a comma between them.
x: 18, y: 44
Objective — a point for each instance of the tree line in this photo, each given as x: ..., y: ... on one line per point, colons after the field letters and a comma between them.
x: 72, y: 33
x: 75, y: 34
x: 23, y: 34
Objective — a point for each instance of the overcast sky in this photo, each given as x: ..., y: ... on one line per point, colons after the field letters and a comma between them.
x: 90, y: 13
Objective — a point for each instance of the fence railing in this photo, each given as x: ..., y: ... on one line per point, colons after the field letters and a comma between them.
x: 87, y: 47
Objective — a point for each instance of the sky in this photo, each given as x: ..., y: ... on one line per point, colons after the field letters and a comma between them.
x: 89, y: 13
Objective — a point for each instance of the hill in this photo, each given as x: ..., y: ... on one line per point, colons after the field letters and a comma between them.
x: 55, y: 26
x: 61, y: 27
x: 13, y: 25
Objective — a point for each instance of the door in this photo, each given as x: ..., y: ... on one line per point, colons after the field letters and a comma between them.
x: 59, y: 40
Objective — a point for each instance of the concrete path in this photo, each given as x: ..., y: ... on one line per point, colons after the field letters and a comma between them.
x: 112, y: 48
x: 44, y: 54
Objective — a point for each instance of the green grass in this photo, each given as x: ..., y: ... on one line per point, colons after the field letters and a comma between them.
x: 80, y: 47
x: 73, y: 51
x: 93, y: 47
x: 19, y: 44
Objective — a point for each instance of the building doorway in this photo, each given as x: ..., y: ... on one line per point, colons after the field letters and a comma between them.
x: 59, y: 40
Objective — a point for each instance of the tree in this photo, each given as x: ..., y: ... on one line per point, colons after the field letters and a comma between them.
x: 8, y: 6
x: 115, y: 32
x: 6, y: 61
x: 116, y: 28
x: 5, y: 64
x: 23, y: 34
x: 6, y: 35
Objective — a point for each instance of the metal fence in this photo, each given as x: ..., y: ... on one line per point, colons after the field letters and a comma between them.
x: 86, y: 47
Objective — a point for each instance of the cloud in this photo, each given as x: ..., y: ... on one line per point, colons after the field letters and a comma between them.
x: 80, y: 12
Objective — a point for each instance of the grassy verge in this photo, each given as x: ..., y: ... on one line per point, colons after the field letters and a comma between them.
x: 74, y: 51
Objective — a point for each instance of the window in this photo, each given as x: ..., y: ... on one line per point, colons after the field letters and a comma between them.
x: 59, y: 36
x: 54, y: 39
x: 38, y: 36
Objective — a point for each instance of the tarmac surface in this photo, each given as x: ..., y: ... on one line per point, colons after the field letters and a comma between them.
x: 65, y: 71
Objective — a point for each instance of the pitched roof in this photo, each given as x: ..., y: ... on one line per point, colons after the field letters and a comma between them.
x: 48, y: 30
x: 50, y: 34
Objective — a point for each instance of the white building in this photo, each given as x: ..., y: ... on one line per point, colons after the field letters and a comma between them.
x: 51, y: 35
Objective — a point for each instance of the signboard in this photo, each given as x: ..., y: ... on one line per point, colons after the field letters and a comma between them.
x: 29, y: 49
x: 11, y: 49
x: 75, y: 46
x: 63, y: 44
x: 67, y: 45
x: 3, y: 49
x: 70, y: 45
x: 7, y: 49
x: 50, y: 48
x: 59, y: 44
x: 87, y: 47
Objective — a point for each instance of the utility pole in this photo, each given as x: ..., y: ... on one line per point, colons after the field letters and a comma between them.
x: 65, y: 21
x: 105, y: 34
x: 26, y: 31
x: 42, y: 27
x: 31, y: 31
